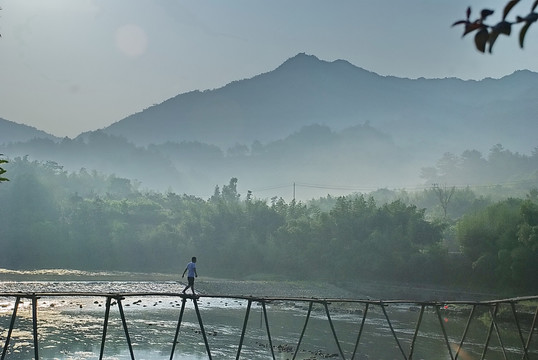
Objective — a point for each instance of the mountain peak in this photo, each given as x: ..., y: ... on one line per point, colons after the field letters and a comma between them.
x: 300, y: 60
x: 303, y: 62
x: 305, y: 90
x: 524, y: 75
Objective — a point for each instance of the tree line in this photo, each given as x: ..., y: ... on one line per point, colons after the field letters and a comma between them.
x: 192, y: 167
x: 50, y: 218
x: 500, y: 166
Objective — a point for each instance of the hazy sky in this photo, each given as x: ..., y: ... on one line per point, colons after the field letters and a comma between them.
x: 69, y: 66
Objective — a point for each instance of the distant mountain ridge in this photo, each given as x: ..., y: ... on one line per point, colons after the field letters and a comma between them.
x: 266, y: 107
x: 449, y: 114
x: 441, y: 115
x: 11, y: 132
x: 321, y: 125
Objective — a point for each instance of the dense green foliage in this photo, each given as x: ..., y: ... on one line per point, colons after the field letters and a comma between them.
x: 502, y: 242
x: 50, y: 218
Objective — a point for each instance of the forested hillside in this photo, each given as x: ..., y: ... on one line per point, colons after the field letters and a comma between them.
x: 51, y: 218
x: 11, y: 132
x: 426, y: 116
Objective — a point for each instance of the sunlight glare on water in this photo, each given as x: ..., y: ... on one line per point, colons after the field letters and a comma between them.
x: 71, y: 327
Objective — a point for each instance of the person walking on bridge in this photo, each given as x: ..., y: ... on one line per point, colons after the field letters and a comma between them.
x: 191, y: 274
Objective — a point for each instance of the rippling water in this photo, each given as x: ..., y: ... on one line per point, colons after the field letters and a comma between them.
x: 71, y: 327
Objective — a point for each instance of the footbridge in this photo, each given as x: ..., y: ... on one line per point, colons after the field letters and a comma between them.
x: 510, y: 325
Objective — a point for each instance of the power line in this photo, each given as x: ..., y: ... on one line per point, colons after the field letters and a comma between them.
x: 359, y: 188
x: 274, y: 187
x: 368, y: 189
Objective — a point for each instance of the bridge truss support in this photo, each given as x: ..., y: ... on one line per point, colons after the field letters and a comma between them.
x: 407, y: 347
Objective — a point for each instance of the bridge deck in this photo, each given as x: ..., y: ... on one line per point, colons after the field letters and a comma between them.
x: 525, y: 349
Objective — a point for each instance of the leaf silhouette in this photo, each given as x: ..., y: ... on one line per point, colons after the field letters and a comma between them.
x: 470, y: 27
x: 523, y: 32
x: 492, y: 38
x: 459, y: 22
x: 485, y: 13
x: 481, y: 38
x: 529, y: 20
x: 509, y: 7
x: 504, y: 27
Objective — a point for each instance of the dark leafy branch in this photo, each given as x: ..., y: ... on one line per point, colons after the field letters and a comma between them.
x: 486, y: 35
x: 2, y: 170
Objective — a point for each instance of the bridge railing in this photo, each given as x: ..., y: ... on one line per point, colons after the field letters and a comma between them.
x: 524, y: 335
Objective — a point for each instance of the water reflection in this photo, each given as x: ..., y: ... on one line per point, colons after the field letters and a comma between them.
x: 72, y: 327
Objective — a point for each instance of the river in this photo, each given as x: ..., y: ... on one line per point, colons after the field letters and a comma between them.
x: 71, y: 327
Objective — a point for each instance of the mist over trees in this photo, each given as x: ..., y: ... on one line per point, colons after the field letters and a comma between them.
x: 194, y: 167
x: 351, y: 156
x: 501, y: 167
x: 51, y: 218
